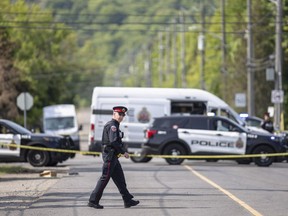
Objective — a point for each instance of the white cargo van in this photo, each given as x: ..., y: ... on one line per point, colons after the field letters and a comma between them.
x: 62, y: 120
x: 144, y: 104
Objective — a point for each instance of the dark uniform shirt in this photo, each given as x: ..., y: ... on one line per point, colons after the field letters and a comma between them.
x: 112, y: 137
x: 268, y: 125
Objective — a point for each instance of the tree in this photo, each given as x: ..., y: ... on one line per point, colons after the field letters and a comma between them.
x: 9, y: 77
x: 42, y: 53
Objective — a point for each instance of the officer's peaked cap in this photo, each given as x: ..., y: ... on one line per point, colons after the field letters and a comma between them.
x: 120, y: 109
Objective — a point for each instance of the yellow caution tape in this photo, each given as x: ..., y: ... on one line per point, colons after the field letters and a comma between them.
x: 49, y: 149
x: 153, y: 156
x: 218, y: 156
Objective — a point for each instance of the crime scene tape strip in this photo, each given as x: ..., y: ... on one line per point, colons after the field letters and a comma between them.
x: 153, y: 156
x: 49, y: 149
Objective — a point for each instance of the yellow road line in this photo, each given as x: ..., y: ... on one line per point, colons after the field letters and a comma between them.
x: 237, y: 200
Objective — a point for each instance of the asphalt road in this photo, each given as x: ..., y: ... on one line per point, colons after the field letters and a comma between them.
x: 194, y: 188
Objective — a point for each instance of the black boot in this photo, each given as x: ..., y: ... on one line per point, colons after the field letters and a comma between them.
x: 95, y: 205
x: 130, y: 203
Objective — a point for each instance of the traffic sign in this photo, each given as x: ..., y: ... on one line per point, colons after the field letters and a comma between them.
x: 25, y: 101
x: 240, y: 100
x: 277, y: 96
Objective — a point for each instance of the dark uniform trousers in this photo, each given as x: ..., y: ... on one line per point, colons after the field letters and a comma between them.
x: 111, y: 168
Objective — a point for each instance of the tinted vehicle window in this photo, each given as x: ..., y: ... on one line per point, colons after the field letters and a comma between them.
x: 181, y: 107
x: 172, y: 123
x: 198, y: 124
x: 16, y: 128
x: 253, y: 122
x: 222, y: 125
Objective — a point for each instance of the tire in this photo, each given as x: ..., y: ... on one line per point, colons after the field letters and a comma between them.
x: 141, y: 159
x: 175, y: 150
x: 263, y: 161
x: 38, y: 158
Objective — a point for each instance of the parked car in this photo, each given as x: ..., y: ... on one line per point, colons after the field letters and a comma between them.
x: 210, y: 135
x: 12, y: 133
x: 252, y: 121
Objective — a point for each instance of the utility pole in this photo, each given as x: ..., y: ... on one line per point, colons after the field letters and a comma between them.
x: 223, y: 47
x: 147, y: 66
x: 278, y: 63
x: 250, y: 56
x: 201, y: 39
x: 160, y: 62
x: 175, y: 54
x: 167, y: 48
x: 183, y: 56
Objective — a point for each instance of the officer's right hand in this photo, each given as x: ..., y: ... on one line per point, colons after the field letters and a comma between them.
x: 126, y: 155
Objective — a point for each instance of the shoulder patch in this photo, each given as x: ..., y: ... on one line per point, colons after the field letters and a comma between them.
x: 113, y: 128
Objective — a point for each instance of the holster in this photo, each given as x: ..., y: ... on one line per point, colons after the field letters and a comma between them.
x: 110, y: 154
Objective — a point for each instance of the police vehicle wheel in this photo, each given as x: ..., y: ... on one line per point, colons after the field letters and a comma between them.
x: 263, y: 161
x: 38, y: 158
x: 140, y: 159
x: 174, y: 150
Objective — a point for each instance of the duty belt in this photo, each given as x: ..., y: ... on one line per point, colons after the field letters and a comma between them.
x: 107, y: 147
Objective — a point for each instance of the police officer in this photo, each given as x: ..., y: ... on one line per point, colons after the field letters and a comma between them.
x: 267, y: 124
x: 112, y: 148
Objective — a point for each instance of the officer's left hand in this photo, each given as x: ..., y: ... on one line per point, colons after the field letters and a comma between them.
x: 126, y: 155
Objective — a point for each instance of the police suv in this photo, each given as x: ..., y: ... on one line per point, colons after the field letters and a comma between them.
x: 210, y: 135
x: 12, y: 133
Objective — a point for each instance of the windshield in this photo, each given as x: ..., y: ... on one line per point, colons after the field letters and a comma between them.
x: 59, y: 123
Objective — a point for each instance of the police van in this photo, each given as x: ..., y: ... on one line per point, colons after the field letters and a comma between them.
x: 210, y: 135
x: 144, y: 104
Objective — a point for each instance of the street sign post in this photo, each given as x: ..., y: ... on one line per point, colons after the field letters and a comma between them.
x: 25, y: 102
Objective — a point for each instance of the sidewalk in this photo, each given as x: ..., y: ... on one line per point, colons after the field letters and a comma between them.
x: 67, y: 194
x: 19, y: 191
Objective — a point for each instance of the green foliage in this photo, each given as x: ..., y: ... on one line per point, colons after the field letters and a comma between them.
x: 42, y: 55
x: 71, y: 46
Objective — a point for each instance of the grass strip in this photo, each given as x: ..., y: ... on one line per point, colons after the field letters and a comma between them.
x: 13, y: 170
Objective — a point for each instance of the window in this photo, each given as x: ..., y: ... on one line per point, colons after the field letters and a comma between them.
x: 5, y: 130
x: 222, y: 125
x: 188, y: 108
x: 172, y: 123
x: 198, y: 124
x: 59, y: 123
